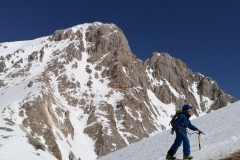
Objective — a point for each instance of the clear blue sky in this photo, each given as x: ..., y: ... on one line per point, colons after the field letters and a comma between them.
x: 205, y: 34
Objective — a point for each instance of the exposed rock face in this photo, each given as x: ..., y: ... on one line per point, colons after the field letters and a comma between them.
x: 90, y: 83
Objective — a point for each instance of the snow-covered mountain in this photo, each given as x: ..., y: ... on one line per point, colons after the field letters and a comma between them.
x: 81, y: 93
x: 221, y: 138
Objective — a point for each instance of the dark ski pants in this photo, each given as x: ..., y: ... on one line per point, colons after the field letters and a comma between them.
x: 181, y: 136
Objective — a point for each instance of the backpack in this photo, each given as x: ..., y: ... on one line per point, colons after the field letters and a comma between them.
x: 178, y: 112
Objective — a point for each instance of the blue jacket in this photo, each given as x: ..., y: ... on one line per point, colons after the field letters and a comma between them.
x: 183, y: 120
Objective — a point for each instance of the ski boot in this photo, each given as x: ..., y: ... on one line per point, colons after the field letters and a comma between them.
x: 169, y: 157
x: 187, y: 157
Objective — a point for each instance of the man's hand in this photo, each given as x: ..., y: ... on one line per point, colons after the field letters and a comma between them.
x: 200, y: 132
x: 172, y: 132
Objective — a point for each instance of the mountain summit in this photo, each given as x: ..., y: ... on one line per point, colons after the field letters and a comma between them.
x: 80, y: 93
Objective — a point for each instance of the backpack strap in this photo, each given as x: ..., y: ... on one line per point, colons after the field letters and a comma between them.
x: 184, y: 119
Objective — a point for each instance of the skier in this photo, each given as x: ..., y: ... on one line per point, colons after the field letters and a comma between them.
x: 179, y: 126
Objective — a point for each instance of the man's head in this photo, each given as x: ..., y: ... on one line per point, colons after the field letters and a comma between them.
x: 187, y: 108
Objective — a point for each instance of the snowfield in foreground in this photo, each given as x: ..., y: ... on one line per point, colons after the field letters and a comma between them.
x: 222, y: 138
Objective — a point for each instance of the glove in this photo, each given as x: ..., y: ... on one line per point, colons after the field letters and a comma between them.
x: 200, y: 132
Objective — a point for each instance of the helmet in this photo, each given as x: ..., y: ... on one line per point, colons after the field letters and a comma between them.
x: 186, y: 107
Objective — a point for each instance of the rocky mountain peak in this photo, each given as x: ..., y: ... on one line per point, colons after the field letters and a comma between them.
x: 81, y: 90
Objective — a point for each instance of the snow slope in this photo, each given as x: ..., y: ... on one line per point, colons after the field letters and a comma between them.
x: 222, y: 138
